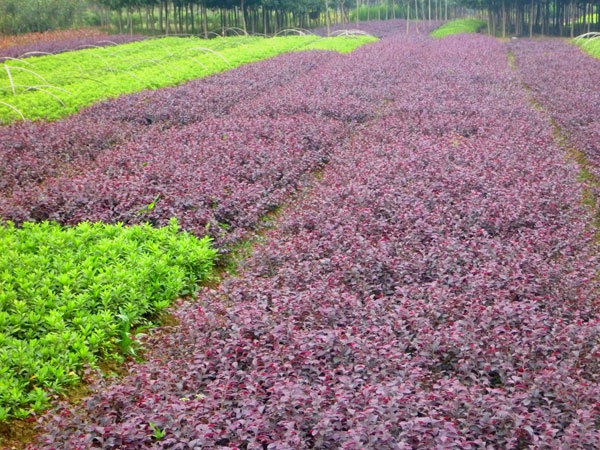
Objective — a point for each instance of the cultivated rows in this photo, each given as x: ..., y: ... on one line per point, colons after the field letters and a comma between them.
x: 194, y: 148
x: 566, y: 89
x: 435, y: 289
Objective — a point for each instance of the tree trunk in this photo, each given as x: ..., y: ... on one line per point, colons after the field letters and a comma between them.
x: 160, y: 18
x: 192, y: 19
x: 141, y: 16
x: 130, y: 21
x: 120, y: 14
x: 572, y: 16
x: 167, y: 19
x: 243, y: 12
x: 531, y: 11
x: 417, y: 15
x: 327, y: 18
x: 265, y: 22
x: 503, y: 19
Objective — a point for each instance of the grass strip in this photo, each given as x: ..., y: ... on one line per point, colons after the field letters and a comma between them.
x: 70, y: 297
x: 54, y: 86
x: 468, y: 25
x: 590, y: 43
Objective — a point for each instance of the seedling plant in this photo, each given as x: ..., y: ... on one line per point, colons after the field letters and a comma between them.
x: 53, y: 86
x: 72, y: 296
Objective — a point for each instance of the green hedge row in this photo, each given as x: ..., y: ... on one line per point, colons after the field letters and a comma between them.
x: 54, y: 86
x: 68, y: 296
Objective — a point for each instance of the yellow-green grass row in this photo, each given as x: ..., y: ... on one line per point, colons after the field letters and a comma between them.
x: 53, y: 86
x: 467, y: 25
x: 590, y: 43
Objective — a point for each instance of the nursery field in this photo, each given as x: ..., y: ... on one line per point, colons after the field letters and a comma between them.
x: 423, y: 262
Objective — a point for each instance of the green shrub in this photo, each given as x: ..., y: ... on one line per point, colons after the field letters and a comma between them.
x: 69, y: 296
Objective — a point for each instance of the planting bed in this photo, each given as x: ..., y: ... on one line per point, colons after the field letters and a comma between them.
x: 54, y: 86
x: 434, y: 287
x: 468, y: 25
x: 70, y: 295
x: 255, y: 161
x: 33, y: 151
x: 565, y: 89
x: 218, y: 175
x: 590, y: 43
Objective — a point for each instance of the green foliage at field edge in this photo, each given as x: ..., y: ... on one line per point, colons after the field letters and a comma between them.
x: 340, y: 44
x: 69, y: 296
x: 54, y: 86
x: 590, y: 45
x: 468, y: 25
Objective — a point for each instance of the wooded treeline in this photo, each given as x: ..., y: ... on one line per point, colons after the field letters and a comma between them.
x: 505, y: 17
x: 212, y: 16
x: 24, y: 16
x: 204, y: 17
x: 207, y: 16
x: 265, y: 16
x: 539, y: 17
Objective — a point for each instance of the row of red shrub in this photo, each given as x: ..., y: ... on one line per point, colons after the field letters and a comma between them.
x: 199, y: 150
x: 564, y: 83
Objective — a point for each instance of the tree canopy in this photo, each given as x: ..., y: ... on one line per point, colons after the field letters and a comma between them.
x: 505, y: 17
x: 545, y: 17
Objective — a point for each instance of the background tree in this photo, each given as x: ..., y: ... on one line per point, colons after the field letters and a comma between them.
x: 22, y: 16
x: 546, y: 17
x: 505, y: 17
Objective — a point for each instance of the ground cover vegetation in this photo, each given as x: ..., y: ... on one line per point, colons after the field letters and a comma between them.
x: 46, y: 43
x: 590, y: 42
x: 55, y: 36
x: 71, y: 296
x: 469, y: 25
x: 57, y: 85
x: 571, y: 103
x: 99, y: 150
x: 434, y: 288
